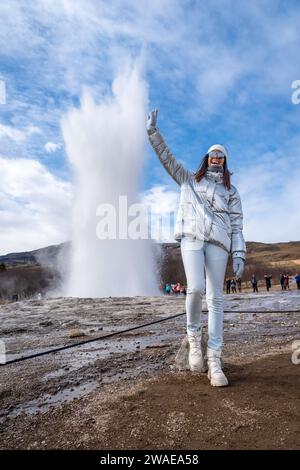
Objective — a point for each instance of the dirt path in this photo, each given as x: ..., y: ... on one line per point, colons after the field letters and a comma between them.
x: 175, y: 410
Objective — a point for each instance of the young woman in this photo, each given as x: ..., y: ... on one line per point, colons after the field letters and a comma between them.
x: 209, y: 226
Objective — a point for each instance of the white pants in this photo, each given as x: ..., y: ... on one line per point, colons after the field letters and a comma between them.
x: 200, y: 260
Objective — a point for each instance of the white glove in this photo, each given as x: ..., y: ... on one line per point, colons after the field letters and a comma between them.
x: 151, y: 121
x: 238, y: 266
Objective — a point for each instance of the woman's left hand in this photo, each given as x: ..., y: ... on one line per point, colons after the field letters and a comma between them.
x: 238, y: 266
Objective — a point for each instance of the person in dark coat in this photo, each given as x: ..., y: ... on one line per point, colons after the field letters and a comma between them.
x: 254, y: 283
x: 268, y: 278
x: 239, y: 284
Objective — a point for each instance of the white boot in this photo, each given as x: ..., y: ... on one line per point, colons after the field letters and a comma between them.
x: 215, y: 374
x: 196, y: 362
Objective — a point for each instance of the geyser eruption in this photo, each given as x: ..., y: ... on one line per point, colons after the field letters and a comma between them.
x: 105, y: 144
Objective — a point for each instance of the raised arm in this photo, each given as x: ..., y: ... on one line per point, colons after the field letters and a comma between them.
x: 173, y: 167
x: 238, y: 245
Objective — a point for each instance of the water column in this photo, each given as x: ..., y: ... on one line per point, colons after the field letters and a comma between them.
x: 105, y: 144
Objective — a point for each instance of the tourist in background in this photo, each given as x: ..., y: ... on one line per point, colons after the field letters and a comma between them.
x: 228, y: 285
x: 268, y: 278
x: 254, y: 282
x: 297, y: 279
x: 239, y: 284
x: 286, y: 282
x: 168, y: 288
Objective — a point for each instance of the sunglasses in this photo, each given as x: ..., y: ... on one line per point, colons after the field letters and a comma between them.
x: 216, y: 154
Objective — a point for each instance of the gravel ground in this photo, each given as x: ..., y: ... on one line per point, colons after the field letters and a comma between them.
x: 126, y: 393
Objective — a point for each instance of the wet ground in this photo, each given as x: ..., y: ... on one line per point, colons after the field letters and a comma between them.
x: 125, y: 392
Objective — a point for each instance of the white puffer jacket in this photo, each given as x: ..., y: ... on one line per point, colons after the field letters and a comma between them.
x: 208, y: 211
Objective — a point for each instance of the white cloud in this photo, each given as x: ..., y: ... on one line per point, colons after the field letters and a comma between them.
x: 162, y: 204
x: 12, y: 133
x: 35, y: 206
x: 161, y: 199
x: 18, y: 135
x: 203, y: 50
x: 51, y: 147
x: 269, y: 190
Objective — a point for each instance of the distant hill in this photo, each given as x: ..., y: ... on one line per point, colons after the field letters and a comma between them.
x: 34, y: 257
x: 29, y: 272
x: 36, y: 271
x: 261, y: 259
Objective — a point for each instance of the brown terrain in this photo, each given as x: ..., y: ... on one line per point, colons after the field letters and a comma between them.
x: 127, y: 392
x: 41, y: 270
x: 261, y: 259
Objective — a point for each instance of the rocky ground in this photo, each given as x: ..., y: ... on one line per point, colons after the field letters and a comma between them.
x: 125, y: 392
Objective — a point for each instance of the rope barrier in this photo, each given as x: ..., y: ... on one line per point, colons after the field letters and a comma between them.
x: 115, y: 333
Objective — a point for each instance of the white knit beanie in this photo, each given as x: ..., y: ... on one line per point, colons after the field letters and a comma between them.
x: 218, y: 147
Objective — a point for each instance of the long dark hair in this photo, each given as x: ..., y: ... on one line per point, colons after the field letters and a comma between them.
x: 203, y: 167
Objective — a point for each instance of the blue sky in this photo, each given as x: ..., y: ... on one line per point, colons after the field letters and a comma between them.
x: 219, y: 71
